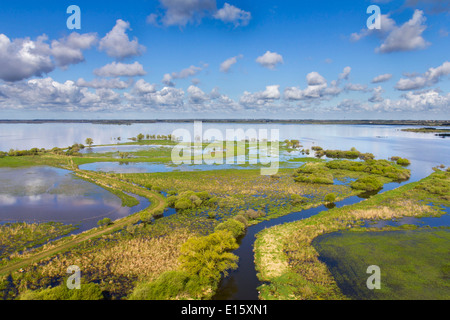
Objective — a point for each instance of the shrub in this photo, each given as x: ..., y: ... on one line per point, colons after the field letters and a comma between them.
x: 236, y: 228
x: 242, y: 219
x: 104, y: 222
x: 367, y: 184
x: 253, y: 214
x: 313, y: 173
x: 169, y: 285
x: 209, y: 257
x: 403, y: 162
x: 296, y: 199
x: 330, y: 198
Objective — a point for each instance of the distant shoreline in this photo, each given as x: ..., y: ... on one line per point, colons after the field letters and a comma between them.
x: 254, y: 121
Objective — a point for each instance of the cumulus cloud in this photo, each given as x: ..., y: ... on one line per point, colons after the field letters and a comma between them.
x: 345, y: 73
x: 429, y: 78
x: 197, y: 96
x: 182, y: 12
x: 376, y: 97
x: 68, y: 50
x: 183, y: 74
x: 231, y: 14
x: 118, y: 69
x: 356, y: 87
x: 141, y: 87
x: 407, y: 37
x: 317, y: 89
x: 315, y: 79
x: 262, y: 98
x: 24, y: 58
x: 116, y: 43
x: 270, y: 60
x: 104, y: 83
x: 382, y: 78
x: 387, y: 25
x: 226, y: 65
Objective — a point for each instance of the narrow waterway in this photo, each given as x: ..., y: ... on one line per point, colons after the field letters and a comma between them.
x: 242, y: 283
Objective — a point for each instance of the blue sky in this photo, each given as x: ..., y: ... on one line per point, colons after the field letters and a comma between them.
x: 225, y: 59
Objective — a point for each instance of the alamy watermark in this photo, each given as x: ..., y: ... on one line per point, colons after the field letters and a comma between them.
x: 374, y: 21
x: 74, y: 281
x: 374, y: 281
x: 74, y: 21
x: 262, y: 149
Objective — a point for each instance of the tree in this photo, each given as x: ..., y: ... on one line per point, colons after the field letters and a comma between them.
x: 208, y: 257
x: 140, y: 137
x: 89, y: 142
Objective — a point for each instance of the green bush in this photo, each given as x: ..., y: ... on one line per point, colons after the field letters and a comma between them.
x: 209, y: 257
x: 169, y: 285
x: 237, y: 228
x: 242, y: 219
x: 367, y: 184
x: 403, y: 162
x: 104, y: 222
x: 330, y: 198
x: 313, y: 173
x: 296, y: 199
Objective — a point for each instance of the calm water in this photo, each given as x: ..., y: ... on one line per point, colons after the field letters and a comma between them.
x: 42, y: 194
x: 424, y: 150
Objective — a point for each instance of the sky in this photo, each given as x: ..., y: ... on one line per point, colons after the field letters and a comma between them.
x: 176, y: 59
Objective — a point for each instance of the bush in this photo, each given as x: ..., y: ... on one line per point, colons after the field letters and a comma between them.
x: 403, y: 162
x: 367, y: 184
x: 169, y: 285
x: 253, y: 214
x: 209, y: 257
x: 296, y: 199
x: 236, y: 228
x: 104, y: 222
x: 313, y: 173
x: 242, y: 219
x: 330, y: 198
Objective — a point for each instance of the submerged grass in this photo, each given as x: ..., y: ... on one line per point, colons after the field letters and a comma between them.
x: 298, y: 272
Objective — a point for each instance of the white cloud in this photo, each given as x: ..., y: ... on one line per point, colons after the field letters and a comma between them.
x: 226, y: 65
x: 183, y: 74
x: 234, y: 15
x: 315, y: 79
x: 407, y: 37
x: 23, y: 58
x: 116, y: 43
x: 103, y: 83
x: 356, y: 87
x: 316, y: 90
x: 376, y: 97
x: 382, y: 78
x: 345, y: 73
x: 270, y: 60
x: 68, y: 50
x: 142, y: 87
x: 429, y: 78
x: 387, y: 25
x: 118, y: 69
x: 262, y: 98
x: 182, y: 12
x: 196, y: 95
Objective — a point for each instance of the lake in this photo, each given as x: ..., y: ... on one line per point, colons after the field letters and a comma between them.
x: 424, y: 150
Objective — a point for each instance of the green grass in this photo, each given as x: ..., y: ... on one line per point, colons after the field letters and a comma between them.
x: 414, y: 264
